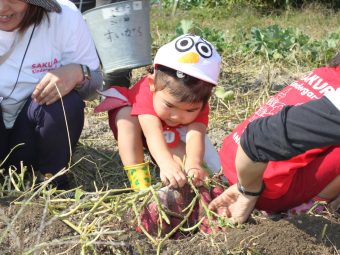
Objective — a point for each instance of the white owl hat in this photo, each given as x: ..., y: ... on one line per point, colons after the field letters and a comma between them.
x: 192, y: 55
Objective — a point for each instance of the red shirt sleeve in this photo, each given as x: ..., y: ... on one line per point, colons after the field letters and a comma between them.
x: 203, y: 116
x: 141, y: 98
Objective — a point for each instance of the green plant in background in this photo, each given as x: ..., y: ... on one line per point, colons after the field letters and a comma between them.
x: 229, y: 4
x: 185, y: 27
x: 182, y: 4
x: 216, y: 37
x: 222, y: 3
x: 189, y: 4
x: 276, y: 43
x: 321, y: 51
x: 224, y: 95
x: 286, y: 4
x: 272, y: 42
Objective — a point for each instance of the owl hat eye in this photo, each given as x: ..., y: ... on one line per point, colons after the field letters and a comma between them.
x: 204, y: 49
x: 191, y: 55
x: 184, y: 44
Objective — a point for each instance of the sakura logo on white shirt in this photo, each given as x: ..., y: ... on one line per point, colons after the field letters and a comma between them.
x: 45, y: 66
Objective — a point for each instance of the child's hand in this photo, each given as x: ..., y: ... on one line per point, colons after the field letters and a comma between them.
x: 197, y: 173
x: 172, y: 175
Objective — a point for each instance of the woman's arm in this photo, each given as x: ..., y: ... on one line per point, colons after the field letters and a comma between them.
x: 56, y: 83
x: 88, y: 90
x: 232, y: 203
x: 75, y: 49
x: 62, y: 80
x: 291, y: 131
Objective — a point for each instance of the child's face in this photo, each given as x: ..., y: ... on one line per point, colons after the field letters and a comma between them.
x: 172, y: 112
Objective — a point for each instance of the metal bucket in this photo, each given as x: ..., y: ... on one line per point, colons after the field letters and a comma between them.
x: 84, y: 5
x: 121, y: 33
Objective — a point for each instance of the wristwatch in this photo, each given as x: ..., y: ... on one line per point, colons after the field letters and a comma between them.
x: 86, y: 74
x: 242, y: 190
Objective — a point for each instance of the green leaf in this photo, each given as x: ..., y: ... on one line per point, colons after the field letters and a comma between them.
x: 277, y: 55
x: 78, y: 194
x: 225, y: 96
x: 186, y: 25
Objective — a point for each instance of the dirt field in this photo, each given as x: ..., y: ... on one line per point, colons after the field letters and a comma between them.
x: 35, y: 231
x: 32, y: 229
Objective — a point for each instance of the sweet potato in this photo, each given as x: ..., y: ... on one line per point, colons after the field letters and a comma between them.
x: 175, y: 201
x: 216, y: 191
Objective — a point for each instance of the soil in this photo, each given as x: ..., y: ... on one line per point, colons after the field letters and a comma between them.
x: 33, y: 230
x: 304, y: 234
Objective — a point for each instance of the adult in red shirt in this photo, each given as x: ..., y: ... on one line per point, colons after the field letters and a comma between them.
x: 289, y: 149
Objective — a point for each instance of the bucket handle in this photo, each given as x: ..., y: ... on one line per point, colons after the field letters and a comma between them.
x: 81, y: 5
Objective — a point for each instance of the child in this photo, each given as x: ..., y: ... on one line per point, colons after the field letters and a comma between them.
x: 299, y: 148
x: 168, y: 108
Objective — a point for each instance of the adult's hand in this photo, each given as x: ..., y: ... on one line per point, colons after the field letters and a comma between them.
x: 232, y: 204
x: 56, y: 83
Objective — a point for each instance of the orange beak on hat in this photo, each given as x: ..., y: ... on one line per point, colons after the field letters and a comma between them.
x: 189, y: 58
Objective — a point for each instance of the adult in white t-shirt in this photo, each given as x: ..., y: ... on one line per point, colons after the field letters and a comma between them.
x: 46, y: 52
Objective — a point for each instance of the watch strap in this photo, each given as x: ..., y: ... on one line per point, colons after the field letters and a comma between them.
x: 242, y: 190
x: 86, y: 76
x: 86, y: 72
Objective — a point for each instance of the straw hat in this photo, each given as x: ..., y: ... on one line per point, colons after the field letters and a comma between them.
x: 49, y: 5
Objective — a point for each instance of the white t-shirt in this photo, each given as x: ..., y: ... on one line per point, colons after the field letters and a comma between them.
x: 6, y: 41
x: 334, y: 97
x: 61, y: 40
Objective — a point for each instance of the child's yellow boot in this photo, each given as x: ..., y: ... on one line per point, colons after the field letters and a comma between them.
x: 139, y: 176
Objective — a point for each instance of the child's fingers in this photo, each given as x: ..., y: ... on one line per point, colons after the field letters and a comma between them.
x: 179, y: 181
x: 196, y: 179
x: 198, y: 182
x: 198, y: 176
x: 174, y: 181
x: 165, y: 181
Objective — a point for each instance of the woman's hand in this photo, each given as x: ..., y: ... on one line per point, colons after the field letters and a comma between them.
x: 232, y: 204
x: 57, y: 83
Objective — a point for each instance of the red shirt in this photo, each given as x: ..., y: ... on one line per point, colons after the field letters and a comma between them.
x: 279, y: 174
